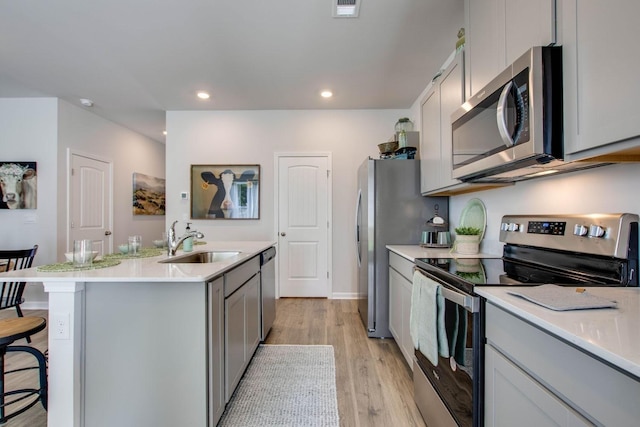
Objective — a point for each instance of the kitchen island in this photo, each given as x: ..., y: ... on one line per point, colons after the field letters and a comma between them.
x: 140, y: 343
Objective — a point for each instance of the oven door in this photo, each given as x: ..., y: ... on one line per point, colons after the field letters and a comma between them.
x: 457, y: 379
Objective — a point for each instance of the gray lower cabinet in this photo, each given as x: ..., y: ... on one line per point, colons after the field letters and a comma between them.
x: 534, y: 378
x: 400, y: 284
x: 242, y: 321
x: 215, y: 343
x: 514, y: 398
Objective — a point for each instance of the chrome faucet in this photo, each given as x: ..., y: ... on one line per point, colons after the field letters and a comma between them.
x: 173, y: 243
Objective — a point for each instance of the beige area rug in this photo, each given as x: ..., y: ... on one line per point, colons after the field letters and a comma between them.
x: 286, y: 385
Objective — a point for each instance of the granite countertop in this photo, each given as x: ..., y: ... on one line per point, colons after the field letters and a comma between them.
x: 411, y: 252
x: 609, y: 334
x: 150, y: 270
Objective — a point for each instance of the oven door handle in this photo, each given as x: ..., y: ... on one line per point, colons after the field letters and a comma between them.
x: 470, y: 303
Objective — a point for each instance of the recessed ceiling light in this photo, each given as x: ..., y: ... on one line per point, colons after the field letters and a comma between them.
x: 326, y: 94
x: 86, y: 102
x: 203, y: 95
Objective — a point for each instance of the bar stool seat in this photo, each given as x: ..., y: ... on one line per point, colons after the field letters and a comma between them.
x: 11, y: 330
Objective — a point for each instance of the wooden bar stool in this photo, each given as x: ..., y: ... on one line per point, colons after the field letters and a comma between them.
x: 10, y: 331
x: 11, y: 292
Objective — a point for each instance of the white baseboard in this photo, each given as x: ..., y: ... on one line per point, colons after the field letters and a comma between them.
x: 344, y: 295
x: 35, y: 305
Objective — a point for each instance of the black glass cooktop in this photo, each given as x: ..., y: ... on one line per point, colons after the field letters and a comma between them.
x: 465, y: 273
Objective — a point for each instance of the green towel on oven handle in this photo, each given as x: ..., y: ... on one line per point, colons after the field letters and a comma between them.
x: 426, y: 322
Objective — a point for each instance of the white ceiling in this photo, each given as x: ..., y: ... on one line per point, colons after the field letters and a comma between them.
x: 137, y: 59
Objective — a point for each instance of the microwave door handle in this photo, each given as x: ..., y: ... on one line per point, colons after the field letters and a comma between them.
x: 501, y: 115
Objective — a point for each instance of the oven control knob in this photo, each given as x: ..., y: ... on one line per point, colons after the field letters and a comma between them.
x: 580, y: 230
x: 514, y: 227
x: 596, y: 231
x: 504, y: 226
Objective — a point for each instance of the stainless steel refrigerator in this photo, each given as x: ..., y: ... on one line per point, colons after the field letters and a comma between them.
x: 390, y: 211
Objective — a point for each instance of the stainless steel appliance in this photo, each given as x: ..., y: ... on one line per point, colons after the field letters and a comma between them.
x: 584, y: 250
x: 267, y: 290
x: 390, y: 210
x: 511, y: 130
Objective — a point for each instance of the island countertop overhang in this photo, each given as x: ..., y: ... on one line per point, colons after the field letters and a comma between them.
x: 152, y: 270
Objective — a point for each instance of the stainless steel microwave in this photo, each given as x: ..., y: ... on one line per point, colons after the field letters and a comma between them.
x: 512, y: 128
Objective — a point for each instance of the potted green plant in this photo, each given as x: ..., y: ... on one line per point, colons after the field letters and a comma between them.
x: 467, y: 240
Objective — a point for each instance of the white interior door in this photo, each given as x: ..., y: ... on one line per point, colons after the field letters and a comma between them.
x: 90, y: 202
x: 303, y: 226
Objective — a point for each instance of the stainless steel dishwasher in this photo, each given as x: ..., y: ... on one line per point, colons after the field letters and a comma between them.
x: 268, y: 289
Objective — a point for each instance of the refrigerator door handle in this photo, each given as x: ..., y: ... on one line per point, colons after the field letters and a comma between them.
x: 358, y: 211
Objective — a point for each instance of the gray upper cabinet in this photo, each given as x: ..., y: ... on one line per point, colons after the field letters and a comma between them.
x: 436, y: 168
x: 601, y: 84
x: 500, y: 31
x: 445, y: 96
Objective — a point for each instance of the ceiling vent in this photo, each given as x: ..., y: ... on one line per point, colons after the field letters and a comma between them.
x: 346, y: 8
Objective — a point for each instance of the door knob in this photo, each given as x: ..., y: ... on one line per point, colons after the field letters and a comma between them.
x: 283, y: 234
x: 107, y: 233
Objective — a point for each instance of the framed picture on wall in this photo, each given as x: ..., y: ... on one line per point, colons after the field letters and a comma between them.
x: 149, y: 195
x: 225, y: 191
x: 18, y: 185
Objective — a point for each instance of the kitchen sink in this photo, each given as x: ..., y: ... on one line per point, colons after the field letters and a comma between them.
x: 201, y: 257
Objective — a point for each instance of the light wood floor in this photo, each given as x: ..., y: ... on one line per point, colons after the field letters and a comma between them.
x: 373, y: 381
x: 36, y: 416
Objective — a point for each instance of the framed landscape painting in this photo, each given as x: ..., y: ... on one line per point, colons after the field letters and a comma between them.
x: 225, y: 191
x: 149, y: 195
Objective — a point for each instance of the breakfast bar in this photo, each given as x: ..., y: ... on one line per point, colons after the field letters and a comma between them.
x: 142, y: 341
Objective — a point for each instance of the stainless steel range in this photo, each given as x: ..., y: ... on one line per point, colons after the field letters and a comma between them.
x: 585, y: 250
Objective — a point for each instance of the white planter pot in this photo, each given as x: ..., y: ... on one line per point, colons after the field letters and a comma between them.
x: 467, y: 245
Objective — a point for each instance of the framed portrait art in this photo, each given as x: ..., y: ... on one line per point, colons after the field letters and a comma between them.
x: 225, y: 191
x: 18, y: 185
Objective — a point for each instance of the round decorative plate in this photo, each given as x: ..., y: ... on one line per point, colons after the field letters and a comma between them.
x: 474, y: 214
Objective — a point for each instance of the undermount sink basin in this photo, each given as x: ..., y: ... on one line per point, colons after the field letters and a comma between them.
x: 201, y: 257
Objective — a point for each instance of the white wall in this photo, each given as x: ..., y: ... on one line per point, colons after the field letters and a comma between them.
x: 28, y: 132
x: 252, y: 137
x: 608, y: 189
x: 84, y: 132
x: 41, y: 130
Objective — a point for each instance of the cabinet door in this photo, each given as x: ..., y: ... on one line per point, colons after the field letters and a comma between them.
x: 235, y: 341
x: 500, y: 31
x: 215, y: 308
x: 395, y: 305
x: 407, y: 342
x: 513, y: 398
x: 430, y: 142
x: 446, y: 95
x: 252, y: 315
x: 484, y: 42
x: 601, y: 83
x: 528, y: 23
x: 451, y: 98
